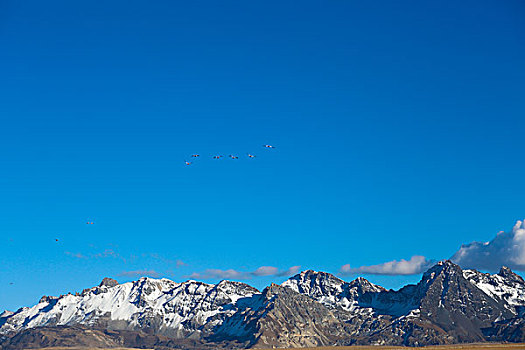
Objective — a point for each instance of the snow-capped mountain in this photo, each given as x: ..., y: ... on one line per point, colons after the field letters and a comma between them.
x: 159, y: 305
x: 505, y: 286
x: 312, y: 308
x: 330, y: 290
x: 443, y: 302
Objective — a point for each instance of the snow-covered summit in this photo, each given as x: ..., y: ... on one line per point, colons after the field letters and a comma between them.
x: 330, y: 290
x: 6, y: 313
x: 166, y: 307
x: 505, y: 286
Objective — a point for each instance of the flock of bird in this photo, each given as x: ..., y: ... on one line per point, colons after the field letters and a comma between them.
x: 189, y: 163
x: 195, y: 156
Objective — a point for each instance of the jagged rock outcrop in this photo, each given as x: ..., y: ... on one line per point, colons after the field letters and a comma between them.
x: 108, y: 282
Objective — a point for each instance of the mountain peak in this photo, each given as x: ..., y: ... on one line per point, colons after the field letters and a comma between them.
x: 362, y: 285
x: 6, y: 313
x: 445, y: 285
x: 235, y: 287
x: 312, y: 273
x: 230, y: 283
x: 447, y: 264
x: 310, y: 279
x: 443, y: 267
x: 361, y: 281
x: 330, y: 290
x: 108, y: 282
x: 506, y: 272
x: 47, y: 298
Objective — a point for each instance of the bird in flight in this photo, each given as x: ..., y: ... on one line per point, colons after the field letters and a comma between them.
x: 219, y: 156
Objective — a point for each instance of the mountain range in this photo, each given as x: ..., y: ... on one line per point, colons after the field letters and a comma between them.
x: 449, y: 305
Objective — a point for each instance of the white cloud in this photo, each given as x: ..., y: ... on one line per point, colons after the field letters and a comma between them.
x: 235, y: 274
x: 180, y: 263
x: 108, y: 253
x: 417, y: 264
x: 76, y: 255
x: 506, y: 249
x: 289, y: 272
x: 217, y: 274
x: 155, y: 256
x: 265, y: 271
x: 140, y: 273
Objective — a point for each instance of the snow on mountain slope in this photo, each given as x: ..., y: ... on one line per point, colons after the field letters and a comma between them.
x: 442, y: 286
x: 330, y: 290
x: 165, y: 307
x: 505, y: 286
x: 6, y: 313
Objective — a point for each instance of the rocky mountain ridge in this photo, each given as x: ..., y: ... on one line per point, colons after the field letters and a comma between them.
x: 449, y: 305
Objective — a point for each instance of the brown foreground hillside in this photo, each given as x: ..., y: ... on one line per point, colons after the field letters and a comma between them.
x: 439, y: 347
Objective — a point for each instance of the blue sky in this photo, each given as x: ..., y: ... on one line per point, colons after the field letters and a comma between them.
x: 398, y: 130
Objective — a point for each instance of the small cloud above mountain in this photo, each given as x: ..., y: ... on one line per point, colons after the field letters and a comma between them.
x: 265, y: 271
x: 105, y: 254
x: 180, y: 263
x: 216, y: 274
x: 416, y: 265
x: 289, y: 272
x: 506, y: 249
x: 166, y: 261
x: 139, y: 273
x: 235, y: 274
x: 76, y: 255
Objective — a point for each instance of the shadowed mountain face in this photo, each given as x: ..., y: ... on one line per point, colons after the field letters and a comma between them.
x: 444, y: 307
x: 281, y: 317
x: 447, y: 306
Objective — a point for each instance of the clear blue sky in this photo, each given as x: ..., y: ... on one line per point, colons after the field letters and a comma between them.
x: 399, y: 131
